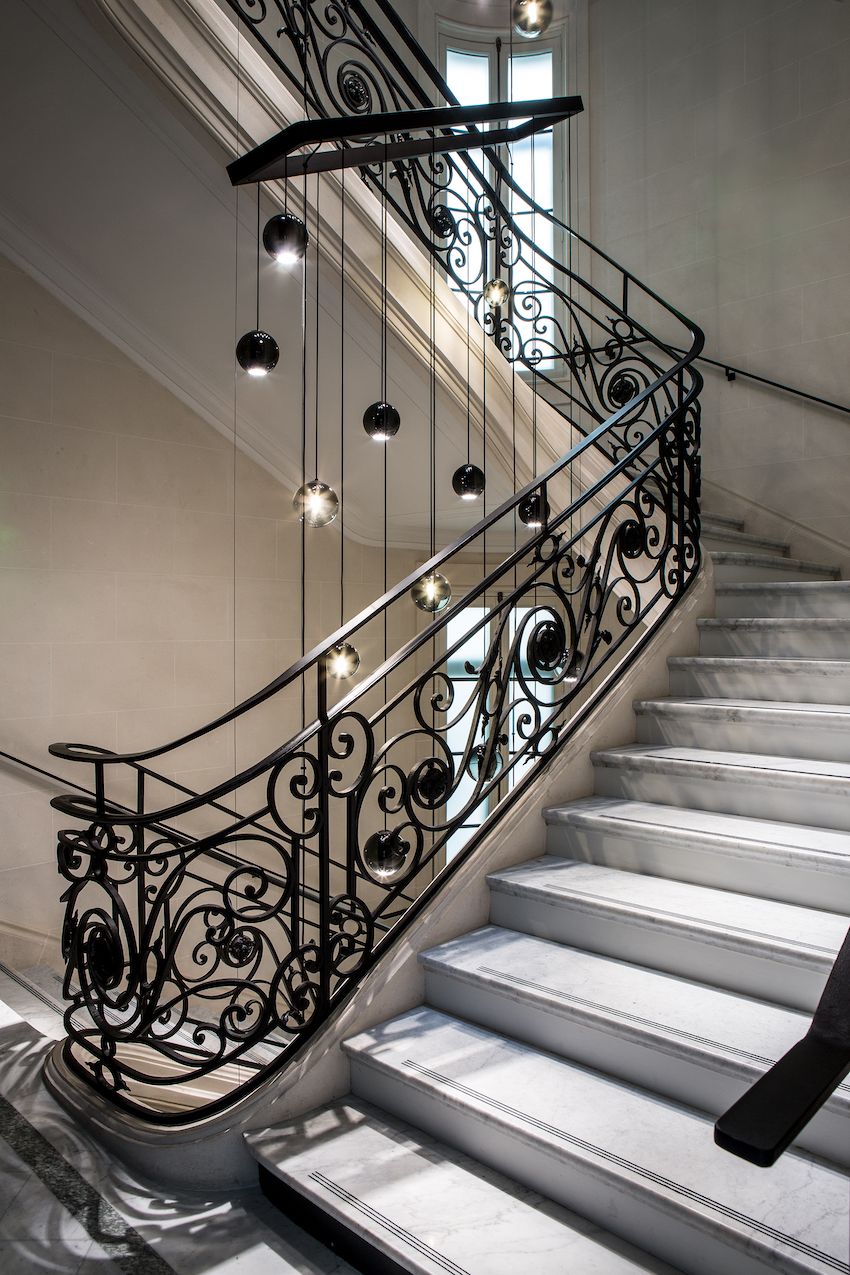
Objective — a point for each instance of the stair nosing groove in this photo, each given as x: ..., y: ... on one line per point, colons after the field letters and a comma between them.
x: 653, y: 918
x: 633, y: 1177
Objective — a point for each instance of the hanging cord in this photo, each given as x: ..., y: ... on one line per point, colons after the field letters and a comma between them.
x: 342, y: 404
x: 258, y: 256
x: 468, y: 385
x: 316, y: 357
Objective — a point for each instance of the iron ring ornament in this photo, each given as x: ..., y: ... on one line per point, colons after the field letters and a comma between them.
x: 210, y: 936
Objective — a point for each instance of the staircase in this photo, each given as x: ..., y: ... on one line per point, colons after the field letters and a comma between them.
x: 550, y: 1106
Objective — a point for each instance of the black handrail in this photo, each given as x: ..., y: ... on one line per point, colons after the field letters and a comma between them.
x: 733, y: 372
x: 770, y: 1115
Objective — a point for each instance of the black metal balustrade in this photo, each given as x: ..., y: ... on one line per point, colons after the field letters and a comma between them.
x: 208, y: 937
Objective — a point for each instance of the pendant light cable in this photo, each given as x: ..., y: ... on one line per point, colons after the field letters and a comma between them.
x: 342, y: 403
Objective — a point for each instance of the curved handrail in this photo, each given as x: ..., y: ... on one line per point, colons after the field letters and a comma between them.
x: 85, y: 752
x: 202, y: 937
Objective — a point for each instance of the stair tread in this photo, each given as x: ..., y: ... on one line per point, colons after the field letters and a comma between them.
x: 429, y: 1207
x: 796, y: 623
x: 797, y: 772
x: 764, y: 663
x: 782, y: 930
x: 783, y: 586
x: 743, y: 558
x: 649, y: 1147
x: 743, y: 538
x: 761, y: 709
x: 712, y: 1026
x: 722, y: 520
x: 741, y: 834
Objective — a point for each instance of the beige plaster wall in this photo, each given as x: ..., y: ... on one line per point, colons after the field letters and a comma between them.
x: 720, y: 145
x: 149, y: 580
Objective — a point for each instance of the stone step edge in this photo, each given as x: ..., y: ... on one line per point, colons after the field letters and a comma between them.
x: 777, y: 712
x: 737, y: 1228
x: 769, y: 623
x: 771, y: 562
x: 747, y: 942
x: 619, y: 1022
x: 734, y: 847
x: 321, y: 1204
x: 742, y: 538
x: 649, y: 761
x: 781, y: 586
x: 763, y: 663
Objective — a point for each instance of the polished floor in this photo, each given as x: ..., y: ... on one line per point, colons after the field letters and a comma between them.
x: 67, y: 1207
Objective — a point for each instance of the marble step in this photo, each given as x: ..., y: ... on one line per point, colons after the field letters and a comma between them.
x: 747, y: 726
x: 720, y: 539
x: 776, y: 952
x: 799, y: 599
x: 640, y: 1166
x: 696, y: 1044
x: 380, y: 1191
x: 788, y: 862
x: 776, y: 638
x: 746, y: 567
x: 759, y: 785
x: 751, y: 677
x: 722, y: 520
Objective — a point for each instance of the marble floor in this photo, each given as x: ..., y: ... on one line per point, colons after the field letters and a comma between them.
x: 68, y: 1208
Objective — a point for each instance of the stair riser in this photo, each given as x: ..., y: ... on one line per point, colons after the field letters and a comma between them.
x: 759, y: 572
x: 812, y: 644
x: 597, y: 1194
x: 742, y: 796
x: 701, y: 958
x: 802, y: 604
x: 606, y: 1048
x: 729, y: 543
x: 782, y: 740
x: 681, y: 860
x: 729, y: 683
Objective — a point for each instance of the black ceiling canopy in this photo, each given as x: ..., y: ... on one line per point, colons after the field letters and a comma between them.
x: 284, y: 156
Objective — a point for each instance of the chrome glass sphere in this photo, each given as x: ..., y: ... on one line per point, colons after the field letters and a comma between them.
x: 476, y: 762
x: 496, y: 293
x: 432, y: 593
x: 531, y: 18
x: 257, y: 353
x: 343, y: 661
x: 533, y: 511
x: 285, y: 238
x: 316, y: 503
x: 469, y: 482
x: 384, y: 855
x: 381, y: 421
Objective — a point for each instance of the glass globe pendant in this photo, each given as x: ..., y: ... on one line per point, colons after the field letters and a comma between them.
x: 476, y: 762
x: 343, y: 661
x: 384, y: 855
x: 432, y: 593
x: 285, y: 238
x: 533, y: 510
x: 496, y: 293
x: 316, y: 503
x: 381, y: 421
x: 531, y: 18
x: 257, y: 352
x: 468, y: 482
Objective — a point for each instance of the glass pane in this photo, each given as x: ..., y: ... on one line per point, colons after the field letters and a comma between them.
x: 531, y: 75
x: 468, y: 76
x: 475, y: 647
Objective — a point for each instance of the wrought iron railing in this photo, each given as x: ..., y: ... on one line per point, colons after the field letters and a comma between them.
x: 208, y: 937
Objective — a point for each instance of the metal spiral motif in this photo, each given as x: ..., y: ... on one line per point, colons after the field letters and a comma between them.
x: 208, y: 937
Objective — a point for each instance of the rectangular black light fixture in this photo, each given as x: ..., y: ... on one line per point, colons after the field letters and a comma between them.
x: 283, y: 156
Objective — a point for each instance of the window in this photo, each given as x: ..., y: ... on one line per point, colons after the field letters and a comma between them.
x: 479, y: 70
x: 474, y: 651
